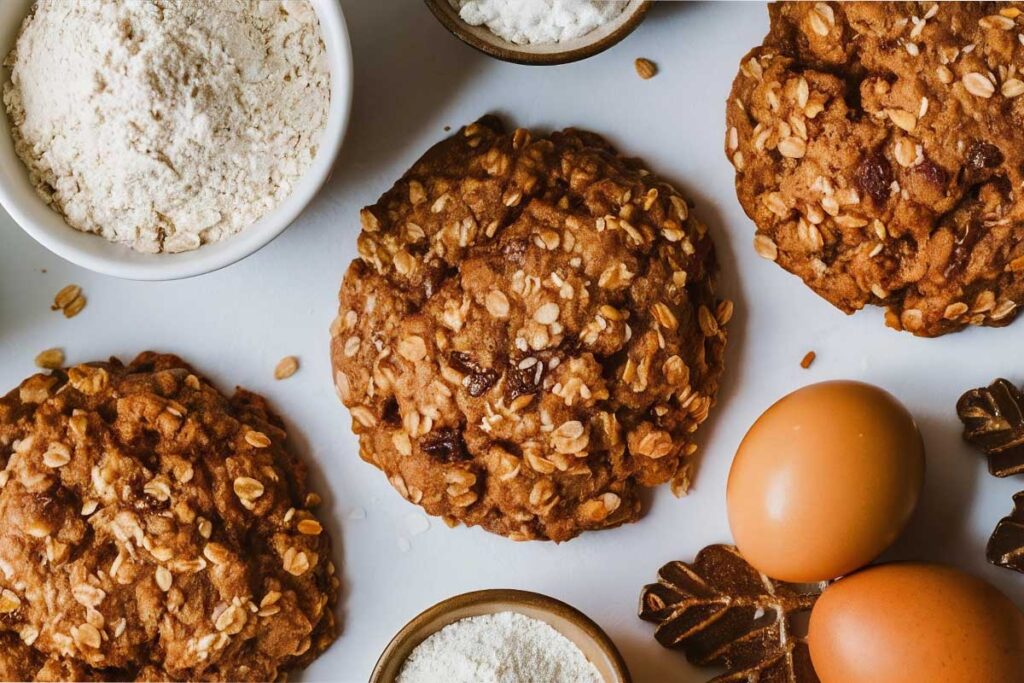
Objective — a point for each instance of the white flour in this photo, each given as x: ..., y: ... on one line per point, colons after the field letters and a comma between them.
x: 167, y: 124
x: 506, y: 647
x: 539, y: 21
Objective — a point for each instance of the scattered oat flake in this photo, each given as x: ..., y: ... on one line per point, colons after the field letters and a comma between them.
x: 50, y: 359
x: 70, y: 300
x: 75, y: 307
x: 357, y: 513
x: 65, y: 296
x: 286, y: 367
x: 645, y: 68
x: 808, y: 359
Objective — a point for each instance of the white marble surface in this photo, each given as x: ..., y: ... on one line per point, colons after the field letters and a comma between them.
x: 412, y: 80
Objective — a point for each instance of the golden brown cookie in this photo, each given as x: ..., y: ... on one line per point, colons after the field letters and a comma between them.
x: 152, y: 528
x: 530, y: 334
x: 879, y: 147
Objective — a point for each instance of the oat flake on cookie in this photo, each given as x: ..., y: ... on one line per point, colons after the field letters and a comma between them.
x: 167, y: 124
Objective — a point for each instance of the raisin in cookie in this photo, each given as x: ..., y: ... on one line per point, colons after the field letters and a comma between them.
x: 153, y: 529
x: 530, y: 334
x: 879, y: 147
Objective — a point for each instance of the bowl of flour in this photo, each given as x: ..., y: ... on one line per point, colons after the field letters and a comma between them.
x: 501, y: 636
x: 540, y: 32
x: 162, y: 139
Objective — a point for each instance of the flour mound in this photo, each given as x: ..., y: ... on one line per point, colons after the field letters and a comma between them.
x: 167, y: 124
x: 532, y: 22
x: 506, y: 647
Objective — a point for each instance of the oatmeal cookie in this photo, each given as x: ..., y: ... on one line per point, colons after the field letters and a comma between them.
x: 879, y: 148
x: 530, y: 334
x: 153, y: 528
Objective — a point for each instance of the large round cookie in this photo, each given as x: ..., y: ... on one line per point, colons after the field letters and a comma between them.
x: 879, y: 147
x: 152, y: 528
x: 530, y: 334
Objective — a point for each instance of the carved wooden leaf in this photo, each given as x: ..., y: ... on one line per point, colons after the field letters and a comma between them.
x: 1006, y: 546
x: 993, y: 418
x: 720, y: 611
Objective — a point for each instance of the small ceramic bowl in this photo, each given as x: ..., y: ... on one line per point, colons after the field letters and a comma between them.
x: 598, y: 40
x: 96, y: 253
x: 569, y: 621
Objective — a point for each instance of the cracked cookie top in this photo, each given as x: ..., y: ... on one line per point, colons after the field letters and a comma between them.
x: 879, y: 148
x: 154, y: 529
x: 530, y: 334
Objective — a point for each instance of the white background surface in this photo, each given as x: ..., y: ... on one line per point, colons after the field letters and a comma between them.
x: 412, y: 79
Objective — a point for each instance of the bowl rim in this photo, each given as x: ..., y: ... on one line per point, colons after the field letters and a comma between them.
x: 511, y: 596
x: 49, y: 228
x: 510, y: 52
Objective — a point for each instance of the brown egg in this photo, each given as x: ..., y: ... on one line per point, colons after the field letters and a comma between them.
x: 916, y: 623
x: 824, y: 481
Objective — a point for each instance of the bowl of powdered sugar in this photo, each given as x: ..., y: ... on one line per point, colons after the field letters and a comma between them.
x: 160, y: 139
x: 503, y: 636
x: 540, y: 31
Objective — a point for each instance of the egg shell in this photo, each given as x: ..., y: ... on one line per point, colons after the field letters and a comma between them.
x: 824, y: 481
x: 916, y: 623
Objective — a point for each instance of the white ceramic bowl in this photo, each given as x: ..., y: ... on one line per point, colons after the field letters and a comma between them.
x: 91, y: 251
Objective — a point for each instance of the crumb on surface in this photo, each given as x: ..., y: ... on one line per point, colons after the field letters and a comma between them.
x: 69, y: 300
x: 50, y: 359
x: 286, y: 367
x: 645, y: 68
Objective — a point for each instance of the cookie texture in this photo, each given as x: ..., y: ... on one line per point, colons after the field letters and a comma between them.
x: 154, y: 529
x: 879, y: 148
x: 530, y: 334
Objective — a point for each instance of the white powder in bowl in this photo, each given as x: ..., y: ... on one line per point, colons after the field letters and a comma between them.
x: 167, y: 124
x: 506, y: 647
x: 526, y: 22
